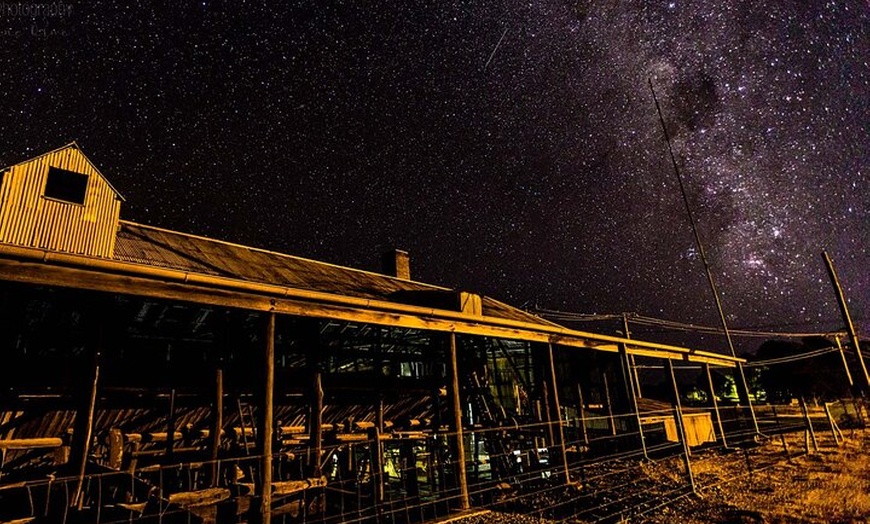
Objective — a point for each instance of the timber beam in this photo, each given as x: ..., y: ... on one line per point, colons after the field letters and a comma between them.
x: 39, y: 267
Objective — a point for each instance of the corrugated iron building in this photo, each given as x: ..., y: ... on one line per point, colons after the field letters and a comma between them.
x: 253, y: 379
x: 61, y: 202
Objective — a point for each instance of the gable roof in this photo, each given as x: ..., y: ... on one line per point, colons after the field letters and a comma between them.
x: 75, y: 147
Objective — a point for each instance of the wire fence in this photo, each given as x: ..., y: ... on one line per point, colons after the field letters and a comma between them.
x: 596, y: 468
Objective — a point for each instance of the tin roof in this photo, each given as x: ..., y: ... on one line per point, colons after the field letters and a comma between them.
x: 151, y: 246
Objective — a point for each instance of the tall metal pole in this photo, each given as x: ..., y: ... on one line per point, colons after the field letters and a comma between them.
x: 702, y: 253
x: 847, y: 318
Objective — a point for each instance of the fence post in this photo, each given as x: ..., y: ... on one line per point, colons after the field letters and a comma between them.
x: 632, y: 393
x: 681, y: 429
x: 681, y: 434
x: 811, y: 433
x: 716, y: 412
x: 610, y: 418
x: 832, y: 424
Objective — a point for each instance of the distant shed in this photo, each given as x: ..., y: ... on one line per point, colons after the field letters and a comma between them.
x: 59, y: 201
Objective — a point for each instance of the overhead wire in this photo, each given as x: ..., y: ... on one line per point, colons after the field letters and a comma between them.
x: 644, y: 320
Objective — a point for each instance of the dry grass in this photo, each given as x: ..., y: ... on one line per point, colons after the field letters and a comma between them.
x: 831, y: 486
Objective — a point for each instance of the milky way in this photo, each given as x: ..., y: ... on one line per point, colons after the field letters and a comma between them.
x: 512, y: 147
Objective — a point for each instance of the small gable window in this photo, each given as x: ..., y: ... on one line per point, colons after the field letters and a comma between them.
x: 67, y: 186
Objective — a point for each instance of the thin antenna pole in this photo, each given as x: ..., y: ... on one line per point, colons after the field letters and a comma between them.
x: 703, y: 256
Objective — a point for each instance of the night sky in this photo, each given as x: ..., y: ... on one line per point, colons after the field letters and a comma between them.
x: 512, y: 147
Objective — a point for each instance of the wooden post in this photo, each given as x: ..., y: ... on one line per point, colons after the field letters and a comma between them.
x: 609, y: 405
x: 810, y: 432
x: 847, y: 318
x: 456, y: 422
x: 743, y: 392
x: 170, y: 426
x: 785, y: 446
x: 84, y: 425
x: 316, y: 427
x: 377, y: 453
x: 681, y: 429
x: 409, y: 459
x: 217, y: 424
x: 548, y: 412
x: 715, y: 404
x: 845, y: 363
x: 581, y: 408
x: 632, y: 395
x: 266, y: 436
x: 632, y: 366
x: 377, y: 461
x: 832, y: 424
x: 560, y: 431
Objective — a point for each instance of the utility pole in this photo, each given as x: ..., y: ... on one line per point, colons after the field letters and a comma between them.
x: 741, y: 375
x: 844, y: 310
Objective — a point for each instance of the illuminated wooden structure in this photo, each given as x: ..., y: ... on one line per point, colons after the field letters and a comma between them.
x: 153, y: 370
x: 59, y: 201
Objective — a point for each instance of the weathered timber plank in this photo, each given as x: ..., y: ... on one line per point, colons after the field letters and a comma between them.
x: 202, y: 497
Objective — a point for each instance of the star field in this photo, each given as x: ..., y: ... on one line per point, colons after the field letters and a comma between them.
x: 512, y: 147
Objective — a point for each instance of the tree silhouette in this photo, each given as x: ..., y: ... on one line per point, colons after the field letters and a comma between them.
x: 820, y: 376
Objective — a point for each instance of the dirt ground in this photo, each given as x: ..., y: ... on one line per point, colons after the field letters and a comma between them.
x: 759, y: 484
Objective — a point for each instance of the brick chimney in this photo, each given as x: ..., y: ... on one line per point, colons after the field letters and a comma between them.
x: 397, y: 263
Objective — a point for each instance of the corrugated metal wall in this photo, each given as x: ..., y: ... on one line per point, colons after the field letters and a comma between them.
x: 28, y: 218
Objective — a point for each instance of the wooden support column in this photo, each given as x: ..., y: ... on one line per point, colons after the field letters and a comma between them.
x: 170, y: 426
x: 217, y: 423
x: 632, y: 366
x: 266, y: 431
x: 548, y: 411
x: 84, y: 423
x: 377, y: 461
x: 581, y: 409
x: 632, y: 394
x: 609, y: 404
x: 409, y: 461
x: 715, y: 403
x: 679, y: 423
x: 456, y: 426
x: 316, y: 430
x: 559, y: 433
